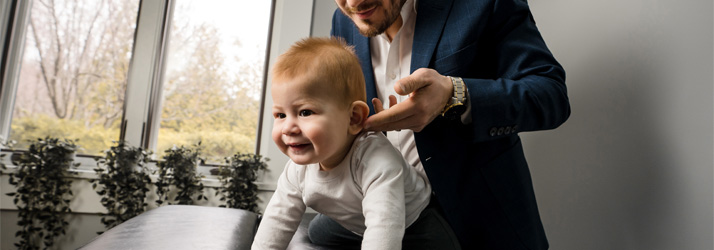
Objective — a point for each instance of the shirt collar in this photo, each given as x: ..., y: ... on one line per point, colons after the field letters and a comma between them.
x: 409, y: 10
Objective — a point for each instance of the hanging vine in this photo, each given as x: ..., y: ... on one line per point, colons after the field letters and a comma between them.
x: 238, y: 188
x: 177, y: 172
x: 42, y: 180
x: 123, y: 183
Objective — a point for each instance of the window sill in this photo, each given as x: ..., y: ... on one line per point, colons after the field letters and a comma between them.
x: 87, y: 164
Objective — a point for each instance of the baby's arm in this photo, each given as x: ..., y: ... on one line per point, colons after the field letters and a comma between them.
x: 383, y: 206
x: 282, y: 215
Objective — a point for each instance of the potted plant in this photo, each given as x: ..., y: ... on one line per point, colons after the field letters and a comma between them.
x: 238, y: 188
x: 42, y: 196
x: 178, y: 172
x: 123, y: 181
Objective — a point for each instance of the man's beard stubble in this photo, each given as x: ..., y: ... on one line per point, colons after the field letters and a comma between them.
x: 375, y: 29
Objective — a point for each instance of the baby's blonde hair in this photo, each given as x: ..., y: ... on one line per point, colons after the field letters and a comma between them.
x: 327, y: 61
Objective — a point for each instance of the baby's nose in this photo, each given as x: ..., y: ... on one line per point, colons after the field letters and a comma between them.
x: 290, y: 128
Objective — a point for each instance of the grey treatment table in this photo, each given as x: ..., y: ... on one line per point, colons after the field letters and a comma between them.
x: 177, y: 227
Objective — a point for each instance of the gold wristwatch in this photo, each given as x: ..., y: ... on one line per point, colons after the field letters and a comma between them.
x: 457, y: 104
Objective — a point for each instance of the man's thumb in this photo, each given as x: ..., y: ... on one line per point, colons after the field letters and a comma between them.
x: 407, y: 85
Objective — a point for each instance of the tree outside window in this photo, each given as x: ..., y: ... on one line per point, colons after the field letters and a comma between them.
x: 76, y: 58
x: 73, y: 73
x: 214, y: 76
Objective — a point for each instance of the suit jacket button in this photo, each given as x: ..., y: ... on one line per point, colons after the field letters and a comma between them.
x: 507, y: 131
x: 493, y: 131
x: 500, y: 131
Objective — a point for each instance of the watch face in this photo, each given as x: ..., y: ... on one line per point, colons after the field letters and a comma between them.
x: 455, y: 111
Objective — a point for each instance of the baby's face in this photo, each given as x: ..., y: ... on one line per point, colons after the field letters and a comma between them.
x: 310, y: 126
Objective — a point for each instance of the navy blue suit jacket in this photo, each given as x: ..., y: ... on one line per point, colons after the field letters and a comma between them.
x: 478, y: 171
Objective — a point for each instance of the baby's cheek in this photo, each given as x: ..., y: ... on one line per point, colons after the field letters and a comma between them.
x: 313, y: 132
x: 277, y: 137
x: 323, y: 140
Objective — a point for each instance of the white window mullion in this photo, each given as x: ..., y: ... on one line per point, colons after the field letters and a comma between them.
x: 11, y: 67
x: 144, y: 73
x: 5, y: 11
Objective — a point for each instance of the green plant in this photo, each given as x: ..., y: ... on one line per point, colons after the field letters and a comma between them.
x: 238, y: 187
x: 123, y: 182
x: 178, y: 169
x: 43, y: 192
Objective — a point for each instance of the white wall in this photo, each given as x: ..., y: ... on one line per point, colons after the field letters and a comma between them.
x: 632, y: 167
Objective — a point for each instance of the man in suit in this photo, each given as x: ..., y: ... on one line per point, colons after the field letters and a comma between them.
x: 460, y: 80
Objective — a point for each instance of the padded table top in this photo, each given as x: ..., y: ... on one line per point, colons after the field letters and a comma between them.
x: 178, y: 227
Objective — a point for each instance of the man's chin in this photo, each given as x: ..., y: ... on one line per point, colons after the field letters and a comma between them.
x: 368, y: 29
x: 370, y: 32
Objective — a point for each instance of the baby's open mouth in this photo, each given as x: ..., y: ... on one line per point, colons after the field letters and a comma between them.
x: 297, y: 146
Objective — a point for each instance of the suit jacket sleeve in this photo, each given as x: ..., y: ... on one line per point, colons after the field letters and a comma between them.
x: 514, y: 82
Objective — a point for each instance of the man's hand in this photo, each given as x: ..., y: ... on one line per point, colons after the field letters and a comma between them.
x: 428, y: 93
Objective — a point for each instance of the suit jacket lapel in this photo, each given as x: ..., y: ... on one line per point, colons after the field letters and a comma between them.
x: 362, y: 49
x: 431, y: 17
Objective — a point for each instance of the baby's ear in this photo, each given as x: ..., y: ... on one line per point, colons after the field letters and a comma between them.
x: 359, y: 112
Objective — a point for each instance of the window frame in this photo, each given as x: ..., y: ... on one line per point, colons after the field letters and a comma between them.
x: 14, y: 17
x: 290, y: 21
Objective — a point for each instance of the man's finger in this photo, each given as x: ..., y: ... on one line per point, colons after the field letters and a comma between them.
x: 398, y: 125
x: 392, y: 100
x: 378, y: 107
x: 391, y: 115
x: 409, y: 84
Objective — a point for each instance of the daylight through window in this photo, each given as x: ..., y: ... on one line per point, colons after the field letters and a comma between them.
x: 73, y: 72
x: 213, y: 76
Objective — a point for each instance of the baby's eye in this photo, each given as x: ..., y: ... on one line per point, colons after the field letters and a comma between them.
x: 306, y: 112
x: 279, y: 116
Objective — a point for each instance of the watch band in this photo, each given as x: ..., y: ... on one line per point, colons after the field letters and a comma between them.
x: 457, y: 99
x: 459, y: 89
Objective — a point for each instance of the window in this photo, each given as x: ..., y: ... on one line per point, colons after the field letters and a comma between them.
x: 77, y: 74
x: 213, y: 79
x: 72, y: 77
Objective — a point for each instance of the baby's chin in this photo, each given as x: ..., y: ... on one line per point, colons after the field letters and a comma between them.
x: 302, y: 161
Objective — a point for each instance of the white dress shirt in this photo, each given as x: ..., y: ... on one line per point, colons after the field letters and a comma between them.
x: 391, y: 61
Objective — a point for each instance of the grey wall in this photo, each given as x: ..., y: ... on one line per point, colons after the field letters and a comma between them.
x: 322, y: 17
x: 81, y: 230
x: 632, y: 167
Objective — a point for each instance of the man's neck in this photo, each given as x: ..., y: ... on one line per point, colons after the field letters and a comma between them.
x: 391, y: 32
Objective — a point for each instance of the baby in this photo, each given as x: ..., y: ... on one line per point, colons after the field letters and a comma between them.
x: 356, y: 178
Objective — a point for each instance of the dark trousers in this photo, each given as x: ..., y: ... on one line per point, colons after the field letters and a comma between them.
x: 429, y: 231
